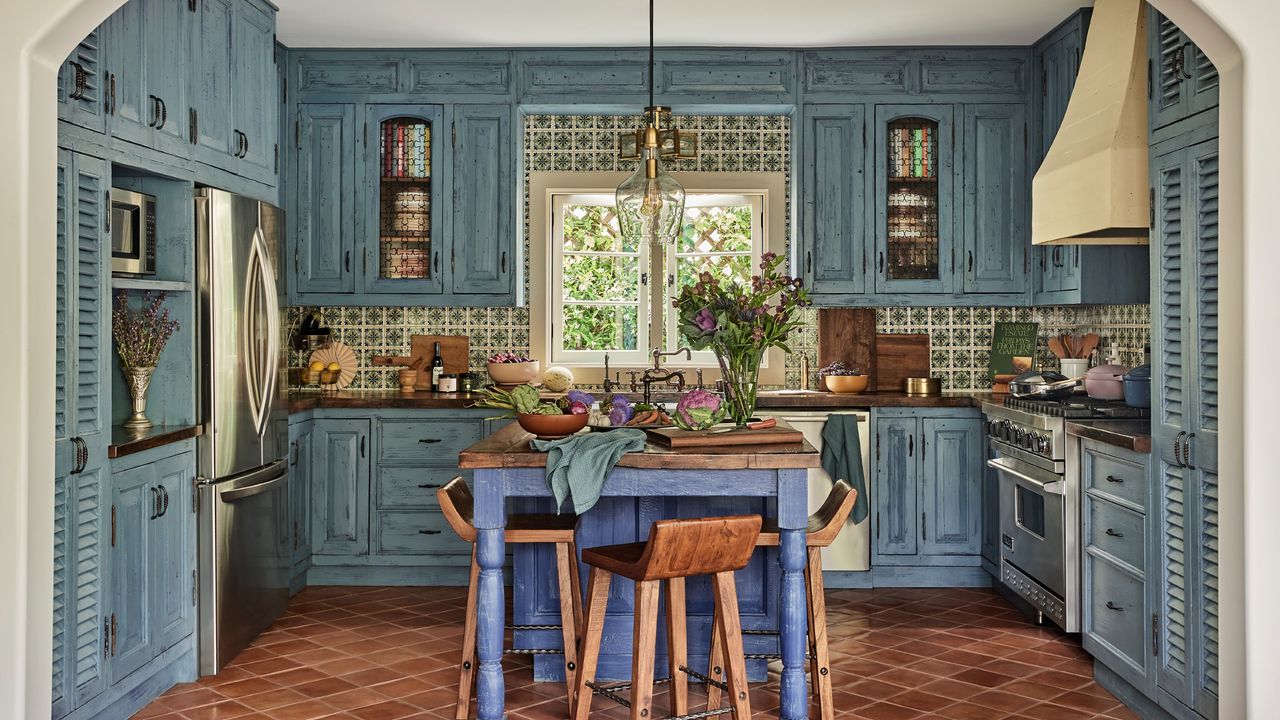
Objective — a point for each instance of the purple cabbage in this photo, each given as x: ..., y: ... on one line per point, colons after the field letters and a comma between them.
x: 698, y: 410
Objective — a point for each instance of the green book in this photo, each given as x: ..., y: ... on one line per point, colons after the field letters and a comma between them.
x: 917, y: 152
x: 1013, y: 348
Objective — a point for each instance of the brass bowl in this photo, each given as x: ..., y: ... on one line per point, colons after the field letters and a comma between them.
x: 924, y: 386
x: 847, y: 384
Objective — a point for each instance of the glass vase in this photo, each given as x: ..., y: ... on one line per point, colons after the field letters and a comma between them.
x: 740, y: 371
x: 139, y: 378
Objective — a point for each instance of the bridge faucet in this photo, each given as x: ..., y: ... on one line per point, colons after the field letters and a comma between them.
x: 658, y: 374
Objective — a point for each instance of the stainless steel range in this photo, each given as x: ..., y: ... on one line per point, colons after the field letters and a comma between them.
x: 1040, y: 499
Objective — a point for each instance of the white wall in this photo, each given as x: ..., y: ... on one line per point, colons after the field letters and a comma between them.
x: 35, y: 35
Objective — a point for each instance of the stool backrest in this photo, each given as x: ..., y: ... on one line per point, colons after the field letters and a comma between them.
x: 699, y: 546
x: 458, y: 507
x: 828, y: 521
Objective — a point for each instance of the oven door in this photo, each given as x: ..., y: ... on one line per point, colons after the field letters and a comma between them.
x: 1032, y: 518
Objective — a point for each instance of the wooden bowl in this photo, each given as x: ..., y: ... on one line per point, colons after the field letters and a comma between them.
x: 514, y: 373
x: 847, y: 384
x: 550, y: 427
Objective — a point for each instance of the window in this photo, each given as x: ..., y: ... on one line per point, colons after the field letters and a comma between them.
x: 610, y: 294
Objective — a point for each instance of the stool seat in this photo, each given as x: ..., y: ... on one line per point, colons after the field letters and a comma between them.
x: 458, y: 507
x: 824, y: 525
x: 682, y: 548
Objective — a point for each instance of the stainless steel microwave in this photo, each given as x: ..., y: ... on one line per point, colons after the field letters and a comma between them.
x: 133, y: 232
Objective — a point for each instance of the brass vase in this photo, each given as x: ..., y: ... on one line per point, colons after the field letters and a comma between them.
x: 139, y: 379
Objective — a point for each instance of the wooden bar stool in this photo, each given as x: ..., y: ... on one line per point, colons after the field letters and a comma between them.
x: 457, y: 505
x: 676, y: 549
x: 824, y: 526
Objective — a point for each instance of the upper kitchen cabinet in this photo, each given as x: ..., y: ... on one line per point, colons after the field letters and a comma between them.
x: 403, y: 217
x: 832, y: 215
x: 1074, y: 274
x: 255, y: 97
x: 146, y: 55
x: 914, y: 176
x: 994, y: 201
x: 212, y: 103
x: 432, y: 221
x: 1183, y: 82
x: 81, y: 85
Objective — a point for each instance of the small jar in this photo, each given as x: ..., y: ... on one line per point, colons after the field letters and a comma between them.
x: 448, y: 384
x: 466, y: 382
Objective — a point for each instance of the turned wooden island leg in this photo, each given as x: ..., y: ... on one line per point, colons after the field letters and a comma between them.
x: 793, y: 519
x: 490, y: 521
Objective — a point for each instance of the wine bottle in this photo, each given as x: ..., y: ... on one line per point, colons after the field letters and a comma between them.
x: 437, y: 369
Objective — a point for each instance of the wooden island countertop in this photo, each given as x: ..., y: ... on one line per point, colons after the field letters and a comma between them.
x: 510, y: 447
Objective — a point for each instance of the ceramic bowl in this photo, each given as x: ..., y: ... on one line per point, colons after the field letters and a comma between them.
x: 553, y: 426
x: 514, y: 373
x: 847, y: 384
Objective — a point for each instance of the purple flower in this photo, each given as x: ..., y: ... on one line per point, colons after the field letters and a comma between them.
x: 757, y: 333
x: 577, y: 396
x: 705, y: 320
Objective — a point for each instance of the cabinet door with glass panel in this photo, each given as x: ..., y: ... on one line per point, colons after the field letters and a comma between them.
x: 403, y: 223
x: 914, y: 180
x: 612, y: 294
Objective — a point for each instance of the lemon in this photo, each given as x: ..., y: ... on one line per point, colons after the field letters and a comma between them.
x: 315, y: 366
x: 334, y: 367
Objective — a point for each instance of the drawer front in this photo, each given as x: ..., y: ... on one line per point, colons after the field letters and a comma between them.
x: 436, y: 441
x: 1115, y: 530
x: 1115, y: 477
x: 1116, y: 610
x: 402, y: 488
x: 417, y: 533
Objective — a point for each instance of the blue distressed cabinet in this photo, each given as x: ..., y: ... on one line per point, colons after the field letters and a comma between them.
x: 82, y: 411
x: 210, y: 82
x: 994, y: 207
x: 1116, y: 578
x: 1185, y: 423
x: 255, y: 98
x: 1184, y: 82
x: 300, y: 479
x: 927, y: 504
x: 1074, y: 274
x: 834, y: 221
x: 152, y: 558
x: 81, y: 83
x: 340, y: 493
x: 440, y: 233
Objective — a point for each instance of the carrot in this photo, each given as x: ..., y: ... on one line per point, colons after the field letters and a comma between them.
x: 763, y: 424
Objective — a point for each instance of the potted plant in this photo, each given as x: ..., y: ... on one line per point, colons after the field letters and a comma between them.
x: 545, y: 418
x: 842, y: 379
x: 508, y: 368
x: 140, y: 337
x: 739, y: 322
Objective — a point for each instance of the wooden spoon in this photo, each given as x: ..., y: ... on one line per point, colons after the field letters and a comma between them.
x: 1088, y: 344
x: 1057, y: 348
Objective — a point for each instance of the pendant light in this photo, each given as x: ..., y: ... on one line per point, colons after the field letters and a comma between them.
x: 650, y: 203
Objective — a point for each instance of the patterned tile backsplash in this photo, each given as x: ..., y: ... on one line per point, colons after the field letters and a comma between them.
x: 961, y: 337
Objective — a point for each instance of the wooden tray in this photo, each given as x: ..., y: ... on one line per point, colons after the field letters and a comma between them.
x: 456, y: 350
x: 781, y: 434
x: 899, y: 357
x: 847, y: 335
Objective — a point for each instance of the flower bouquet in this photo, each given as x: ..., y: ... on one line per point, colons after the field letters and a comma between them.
x: 739, y: 322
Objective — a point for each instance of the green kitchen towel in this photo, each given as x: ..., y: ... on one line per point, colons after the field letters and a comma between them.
x: 578, y: 465
x: 842, y: 459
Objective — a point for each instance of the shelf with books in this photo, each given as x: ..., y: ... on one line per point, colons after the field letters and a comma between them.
x: 913, y: 251
x: 404, y: 224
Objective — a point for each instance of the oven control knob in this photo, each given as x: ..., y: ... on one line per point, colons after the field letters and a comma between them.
x: 1006, y: 430
x: 1019, y: 437
x: 1043, y: 444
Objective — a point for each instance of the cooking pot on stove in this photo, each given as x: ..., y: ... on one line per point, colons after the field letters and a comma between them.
x: 1045, y: 384
x: 1104, y: 382
x: 1137, y: 387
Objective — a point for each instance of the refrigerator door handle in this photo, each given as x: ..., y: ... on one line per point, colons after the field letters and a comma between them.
x: 262, y: 344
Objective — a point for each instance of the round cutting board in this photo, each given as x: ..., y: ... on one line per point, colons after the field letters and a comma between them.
x: 341, y: 354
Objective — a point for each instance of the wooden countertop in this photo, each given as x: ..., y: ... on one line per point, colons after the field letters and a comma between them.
x: 1132, y: 435
x: 301, y: 401
x: 510, y: 448
x: 127, y: 442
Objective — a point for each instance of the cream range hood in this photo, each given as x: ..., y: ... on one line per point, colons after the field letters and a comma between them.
x: 1092, y: 187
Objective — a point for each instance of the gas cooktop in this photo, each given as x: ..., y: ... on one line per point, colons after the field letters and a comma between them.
x: 1077, y: 407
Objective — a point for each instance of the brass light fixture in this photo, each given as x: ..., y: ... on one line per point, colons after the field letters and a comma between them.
x: 650, y: 203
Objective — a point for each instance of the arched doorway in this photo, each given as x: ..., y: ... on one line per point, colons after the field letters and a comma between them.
x: 35, y: 36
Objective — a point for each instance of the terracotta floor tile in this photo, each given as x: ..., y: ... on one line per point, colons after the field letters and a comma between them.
x: 897, y: 654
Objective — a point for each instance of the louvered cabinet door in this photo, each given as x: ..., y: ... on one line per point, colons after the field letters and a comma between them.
x: 80, y: 85
x: 1203, y: 476
x: 1165, y: 48
x: 1170, y: 408
x: 1202, y: 86
x: 64, y: 454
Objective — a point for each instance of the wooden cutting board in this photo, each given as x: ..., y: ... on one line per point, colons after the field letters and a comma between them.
x: 781, y: 434
x: 899, y: 357
x: 455, y: 349
x: 847, y: 335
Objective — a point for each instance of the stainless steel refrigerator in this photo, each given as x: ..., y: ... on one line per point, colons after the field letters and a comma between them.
x: 243, y: 485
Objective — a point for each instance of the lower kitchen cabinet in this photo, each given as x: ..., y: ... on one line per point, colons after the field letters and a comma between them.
x: 372, y: 482
x: 1116, y: 621
x: 300, y: 463
x: 927, y: 503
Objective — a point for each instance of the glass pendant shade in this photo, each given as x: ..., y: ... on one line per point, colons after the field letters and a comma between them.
x: 650, y: 203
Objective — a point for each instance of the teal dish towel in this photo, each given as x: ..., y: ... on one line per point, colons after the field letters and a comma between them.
x: 578, y: 465
x: 842, y: 459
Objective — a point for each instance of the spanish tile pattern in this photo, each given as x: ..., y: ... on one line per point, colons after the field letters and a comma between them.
x: 961, y: 337
x: 392, y: 654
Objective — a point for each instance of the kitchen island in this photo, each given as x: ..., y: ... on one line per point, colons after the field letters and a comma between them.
x: 506, y: 467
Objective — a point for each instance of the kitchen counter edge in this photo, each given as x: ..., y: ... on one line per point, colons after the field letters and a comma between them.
x: 1133, y: 435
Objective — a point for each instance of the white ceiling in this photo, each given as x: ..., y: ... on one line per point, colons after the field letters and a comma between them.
x: 611, y: 23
